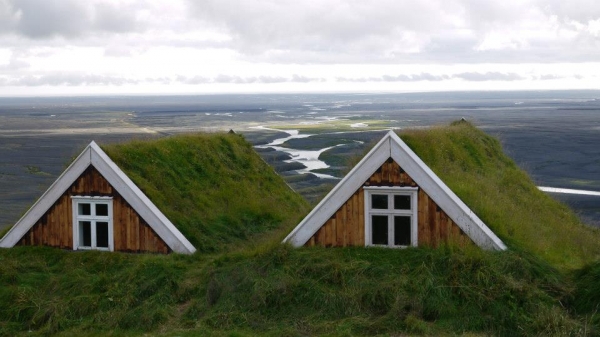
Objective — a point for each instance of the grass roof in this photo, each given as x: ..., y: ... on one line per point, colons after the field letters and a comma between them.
x: 213, y: 187
x: 475, y: 167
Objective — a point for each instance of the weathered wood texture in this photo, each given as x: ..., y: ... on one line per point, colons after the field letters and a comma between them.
x: 131, y: 233
x: 347, y: 226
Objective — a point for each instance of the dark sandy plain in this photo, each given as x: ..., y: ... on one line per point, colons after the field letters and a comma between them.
x: 555, y: 136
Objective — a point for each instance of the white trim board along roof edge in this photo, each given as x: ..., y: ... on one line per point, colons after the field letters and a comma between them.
x: 93, y: 155
x: 391, y: 146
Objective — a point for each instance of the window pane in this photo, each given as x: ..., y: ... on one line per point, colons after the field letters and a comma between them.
x: 84, y: 209
x: 85, y: 233
x: 401, y: 201
x: 102, y: 234
x: 379, y: 229
x: 402, y: 230
x: 102, y: 209
x: 379, y: 201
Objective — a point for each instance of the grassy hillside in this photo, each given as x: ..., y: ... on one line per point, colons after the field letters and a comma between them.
x: 278, y: 290
x: 273, y: 290
x: 474, y: 166
x: 213, y: 187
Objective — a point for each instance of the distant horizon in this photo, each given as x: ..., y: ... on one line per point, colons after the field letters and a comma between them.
x: 373, y: 92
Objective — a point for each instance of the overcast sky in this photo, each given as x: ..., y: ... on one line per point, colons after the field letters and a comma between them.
x: 50, y: 47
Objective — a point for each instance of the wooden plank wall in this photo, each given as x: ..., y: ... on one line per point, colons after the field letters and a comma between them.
x: 131, y: 233
x: 347, y: 226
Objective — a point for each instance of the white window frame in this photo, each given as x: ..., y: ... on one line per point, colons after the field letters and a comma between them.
x: 391, y: 212
x: 76, y: 200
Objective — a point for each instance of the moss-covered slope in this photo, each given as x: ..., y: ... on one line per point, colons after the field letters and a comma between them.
x: 474, y: 166
x: 213, y: 187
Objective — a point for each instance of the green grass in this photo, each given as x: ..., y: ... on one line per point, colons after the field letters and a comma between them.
x: 278, y: 290
x: 213, y: 187
x: 474, y: 166
x: 235, y: 288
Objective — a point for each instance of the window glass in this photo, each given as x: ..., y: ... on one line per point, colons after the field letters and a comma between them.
x: 401, y: 201
x: 379, y: 201
x: 379, y: 229
x: 84, y: 209
x: 402, y: 230
x: 102, y: 234
x: 102, y: 209
x: 85, y: 233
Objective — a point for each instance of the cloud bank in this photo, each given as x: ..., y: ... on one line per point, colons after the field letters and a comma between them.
x: 305, y: 43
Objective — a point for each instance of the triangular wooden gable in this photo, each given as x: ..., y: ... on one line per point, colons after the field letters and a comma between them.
x: 328, y: 223
x: 111, y: 174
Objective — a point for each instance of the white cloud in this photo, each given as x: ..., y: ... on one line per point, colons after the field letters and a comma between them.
x: 288, y: 44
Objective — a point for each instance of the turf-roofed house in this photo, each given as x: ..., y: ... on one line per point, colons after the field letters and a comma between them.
x: 183, y: 193
x: 391, y: 198
x: 93, y: 205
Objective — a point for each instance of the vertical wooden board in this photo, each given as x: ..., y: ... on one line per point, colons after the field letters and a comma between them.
x: 442, y: 226
x: 425, y: 219
x: 136, y: 230
x: 74, y: 189
x: 421, y: 218
x: 59, y: 231
x: 127, y: 225
x: 357, y: 206
x: 116, y: 224
x: 448, y: 229
x: 323, y: 235
x: 390, y: 177
x: 36, y: 233
x: 62, y: 223
x: 117, y: 228
x: 331, y: 230
x: 314, y: 238
x: 431, y: 222
x: 395, y: 174
x: 455, y: 233
x: 154, y: 241
x: 85, y: 187
x: 45, y: 236
x: 343, y: 233
x: 69, y: 242
x: 385, y: 173
x: 319, y: 235
x: 351, y: 226
x: 125, y: 231
x: 96, y: 180
x: 147, y: 238
x: 142, y: 236
x: 340, y: 225
x: 54, y: 232
x: 360, y: 239
x: 43, y: 228
x: 438, y: 226
x: 151, y: 239
x: 351, y: 222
